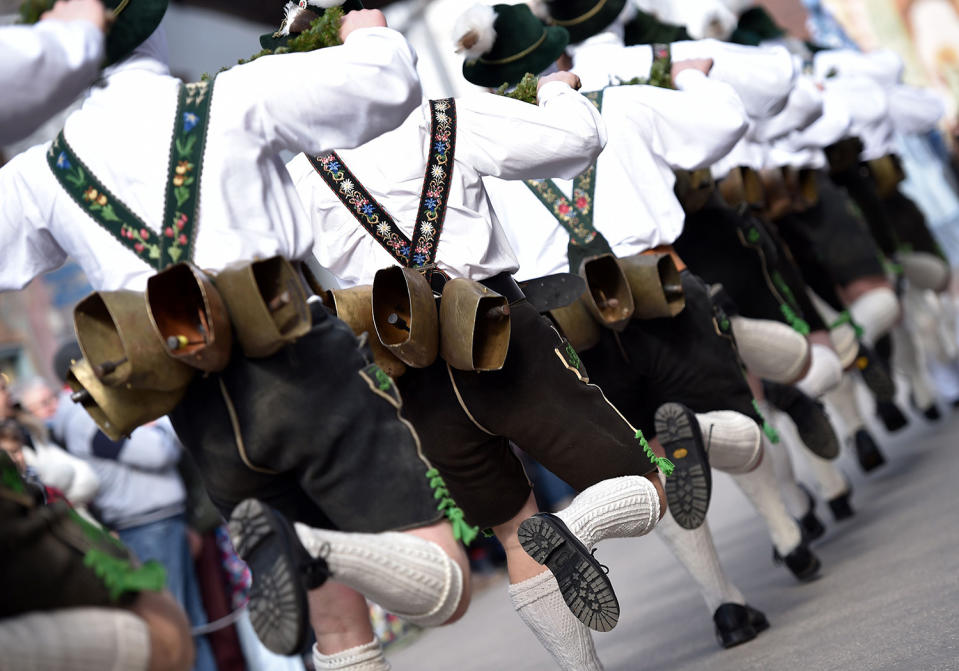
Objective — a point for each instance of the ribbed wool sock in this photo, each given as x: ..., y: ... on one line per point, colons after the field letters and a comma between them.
x: 842, y: 402
x: 770, y: 349
x: 825, y: 372
x: 539, y: 603
x: 406, y: 575
x: 732, y: 440
x: 621, y: 507
x: 830, y: 478
x: 695, y: 551
x: 876, y: 311
x: 367, y: 657
x: 925, y: 270
x: 795, y: 499
x: 759, y: 486
x: 908, y: 358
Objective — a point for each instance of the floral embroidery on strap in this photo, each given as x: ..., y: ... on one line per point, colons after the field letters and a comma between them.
x: 182, y: 193
x: 419, y: 252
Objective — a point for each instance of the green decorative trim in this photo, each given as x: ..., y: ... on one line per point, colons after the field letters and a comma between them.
x: 768, y: 428
x: 461, y: 530
x: 120, y: 576
x: 383, y: 381
x: 790, y: 310
x: 665, y: 466
x: 176, y: 241
x: 845, y: 317
x: 572, y: 356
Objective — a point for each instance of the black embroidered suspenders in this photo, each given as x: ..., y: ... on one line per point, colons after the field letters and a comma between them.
x: 576, y: 215
x: 420, y: 252
x: 176, y: 240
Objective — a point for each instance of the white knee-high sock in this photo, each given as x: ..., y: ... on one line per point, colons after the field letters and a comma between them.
x: 876, y: 311
x: 366, y: 657
x: 770, y: 349
x: 908, y: 358
x: 925, y: 270
x: 695, y: 551
x: 616, y: 508
x: 540, y: 604
x: 830, y: 478
x: 732, y: 439
x: 406, y: 575
x: 842, y: 403
x: 759, y: 486
x: 795, y: 499
x: 825, y: 372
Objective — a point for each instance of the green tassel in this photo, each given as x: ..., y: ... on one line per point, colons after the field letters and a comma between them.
x: 665, y: 466
x: 768, y: 428
x: 798, y: 324
x: 461, y: 530
x: 846, y: 318
x: 573, y: 356
x: 119, y: 575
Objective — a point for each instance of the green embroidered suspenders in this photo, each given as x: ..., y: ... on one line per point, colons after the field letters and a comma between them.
x: 175, y: 241
x: 420, y: 252
x: 575, y: 216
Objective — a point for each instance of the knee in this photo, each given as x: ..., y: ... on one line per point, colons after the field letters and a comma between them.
x: 171, y: 646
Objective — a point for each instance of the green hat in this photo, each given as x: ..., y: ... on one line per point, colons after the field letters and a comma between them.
x: 647, y: 29
x: 584, y: 18
x: 274, y: 40
x: 504, y: 42
x: 134, y: 22
x: 756, y: 26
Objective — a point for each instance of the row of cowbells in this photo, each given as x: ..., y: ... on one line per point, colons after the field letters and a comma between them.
x: 643, y: 286
x: 140, y: 351
x: 470, y: 329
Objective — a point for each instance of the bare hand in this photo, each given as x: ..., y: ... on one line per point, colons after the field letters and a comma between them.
x: 80, y: 10
x: 704, y: 65
x: 361, y: 18
x: 565, y: 77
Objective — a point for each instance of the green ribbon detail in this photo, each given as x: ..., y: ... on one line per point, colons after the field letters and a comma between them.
x: 119, y: 575
x: 665, y: 466
x: 768, y: 428
x: 461, y: 530
x: 846, y: 318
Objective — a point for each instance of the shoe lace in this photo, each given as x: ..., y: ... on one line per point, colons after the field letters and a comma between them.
x: 602, y: 566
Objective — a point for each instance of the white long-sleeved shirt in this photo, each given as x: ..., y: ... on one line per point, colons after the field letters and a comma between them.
x: 762, y: 77
x: 336, y: 97
x: 651, y: 131
x: 495, y: 136
x: 43, y: 69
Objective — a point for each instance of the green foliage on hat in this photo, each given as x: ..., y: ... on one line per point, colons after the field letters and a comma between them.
x: 525, y: 91
x: 30, y: 10
x: 660, y: 74
x: 323, y: 32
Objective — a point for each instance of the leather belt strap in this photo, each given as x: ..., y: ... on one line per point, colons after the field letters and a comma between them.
x: 506, y: 286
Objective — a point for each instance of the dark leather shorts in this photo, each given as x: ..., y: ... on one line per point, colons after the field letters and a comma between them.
x: 689, y: 359
x: 540, y: 400
x: 314, y: 430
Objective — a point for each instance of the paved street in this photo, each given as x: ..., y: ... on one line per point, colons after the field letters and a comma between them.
x: 888, y: 598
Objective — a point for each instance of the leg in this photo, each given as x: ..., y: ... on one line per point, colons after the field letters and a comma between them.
x: 340, y: 618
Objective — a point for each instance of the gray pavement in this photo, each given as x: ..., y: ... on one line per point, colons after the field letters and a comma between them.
x: 888, y: 598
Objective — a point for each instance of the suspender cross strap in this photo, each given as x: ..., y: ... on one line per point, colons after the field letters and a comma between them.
x: 420, y: 252
x: 576, y: 215
x: 176, y: 240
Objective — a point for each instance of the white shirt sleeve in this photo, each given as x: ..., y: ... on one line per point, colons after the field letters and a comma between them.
x: 501, y: 137
x: 914, y: 110
x: 762, y: 76
x: 333, y: 98
x: 804, y: 106
x: 44, y: 68
x: 882, y: 66
x: 28, y: 247
x: 692, y: 127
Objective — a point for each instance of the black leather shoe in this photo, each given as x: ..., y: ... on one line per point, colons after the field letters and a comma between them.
x: 813, y: 425
x: 811, y: 526
x: 869, y: 455
x: 891, y: 416
x: 841, y: 508
x: 757, y: 619
x: 932, y: 413
x: 690, y: 486
x: 875, y: 374
x: 733, y: 626
x: 282, y: 573
x: 801, y: 562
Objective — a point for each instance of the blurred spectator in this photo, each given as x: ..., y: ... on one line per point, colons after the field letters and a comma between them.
x: 143, y: 499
